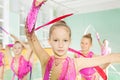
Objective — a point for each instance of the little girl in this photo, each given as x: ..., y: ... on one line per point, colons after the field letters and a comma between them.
x: 86, y: 43
x: 1, y: 62
x: 20, y: 64
x: 105, y: 50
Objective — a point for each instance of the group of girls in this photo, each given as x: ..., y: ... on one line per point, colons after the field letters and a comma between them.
x: 58, y: 66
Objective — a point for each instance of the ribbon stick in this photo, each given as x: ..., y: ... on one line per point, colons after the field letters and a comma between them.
x: 54, y: 20
x: 87, y: 29
x: 75, y: 51
x: 114, y: 69
x: 4, y: 30
x: 93, y: 29
x: 98, y: 69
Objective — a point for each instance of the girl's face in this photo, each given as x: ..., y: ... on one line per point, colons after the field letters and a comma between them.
x: 60, y: 41
x: 85, y: 44
x: 105, y: 42
x: 17, y: 48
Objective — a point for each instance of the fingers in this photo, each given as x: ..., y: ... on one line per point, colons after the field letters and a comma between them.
x: 38, y: 2
x: 97, y: 35
x: 28, y: 34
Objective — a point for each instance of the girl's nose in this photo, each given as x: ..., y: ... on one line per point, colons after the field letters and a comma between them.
x: 61, y: 44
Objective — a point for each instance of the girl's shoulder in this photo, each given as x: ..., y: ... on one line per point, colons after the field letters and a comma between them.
x: 90, y: 54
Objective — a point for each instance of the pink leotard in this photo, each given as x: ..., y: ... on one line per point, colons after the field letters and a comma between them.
x: 87, y: 73
x: 24, y: 68
x: 97, y: 68
x: 105, y: 50
x: 68, y: 70
x: 1, y: 57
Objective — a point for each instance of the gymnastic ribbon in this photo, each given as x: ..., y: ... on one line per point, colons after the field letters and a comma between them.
x: 98, y: 69
x: 54, y: 20
x: 4, y: 30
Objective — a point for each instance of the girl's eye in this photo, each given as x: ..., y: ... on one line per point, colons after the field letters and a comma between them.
x: 55, y: 40
x: 81, y: 42
x: 65, y: 40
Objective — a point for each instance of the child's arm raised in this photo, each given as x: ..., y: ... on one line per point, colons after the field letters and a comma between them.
x: 26, y: 46
x: 91, y: 62
x: 29, y: 30
x: 98, y: 38
x: 36, y: 46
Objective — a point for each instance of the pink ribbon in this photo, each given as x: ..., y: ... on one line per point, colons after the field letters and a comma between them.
x: 99, y: 70
x: 54, y: 20
x: 10, y: 45
x: 4, y: 30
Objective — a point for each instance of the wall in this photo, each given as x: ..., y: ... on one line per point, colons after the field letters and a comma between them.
x: 107, y: 23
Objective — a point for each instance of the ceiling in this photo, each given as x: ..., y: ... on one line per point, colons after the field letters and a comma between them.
x: 77, y: 6
x: 83, y: 6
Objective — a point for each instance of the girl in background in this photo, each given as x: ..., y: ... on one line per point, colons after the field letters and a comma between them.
x: 105, y: 50
x: 86, y: 43
x: 20, y: 64
x: 1, y: 62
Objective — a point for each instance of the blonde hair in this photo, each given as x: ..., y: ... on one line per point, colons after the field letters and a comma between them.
x: 18, y: 43
x: 59, y: 24
x: 88, y: 36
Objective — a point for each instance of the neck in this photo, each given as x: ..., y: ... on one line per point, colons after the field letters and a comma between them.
x: 17, y: 56
x: 60, y: 57
x: 59, y: 60
x: 85, y: 52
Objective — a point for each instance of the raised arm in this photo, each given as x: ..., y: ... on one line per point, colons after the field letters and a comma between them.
x: 98, y: 38
x: 26, y: 46
x: 29, y: 29
x: 8, y: 53
x: 16, y: 39
x: 96, y: 61
x: 36, y: 46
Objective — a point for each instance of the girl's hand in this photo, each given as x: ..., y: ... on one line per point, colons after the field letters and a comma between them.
x: 29, y: 34
x: 38, y: 2
x: 14, y: 37
x: 97, y: 36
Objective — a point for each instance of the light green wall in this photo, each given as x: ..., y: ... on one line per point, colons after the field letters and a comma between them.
x: 14, y: 23
x: 107, y: 23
